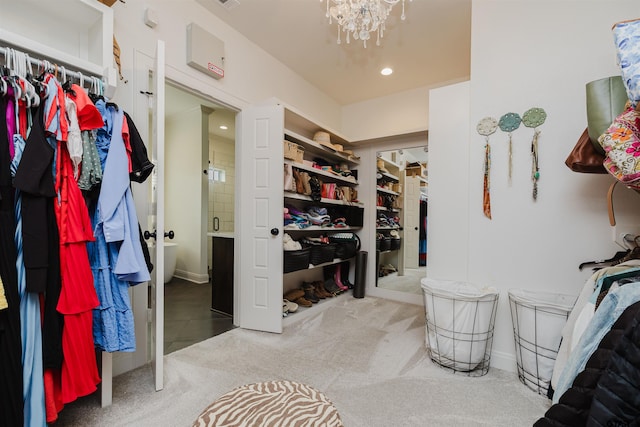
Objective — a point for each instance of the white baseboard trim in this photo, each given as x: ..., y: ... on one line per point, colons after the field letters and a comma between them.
x: 191, y: 277
x: 504, y: 361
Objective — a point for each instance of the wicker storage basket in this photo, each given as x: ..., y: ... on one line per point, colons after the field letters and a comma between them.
x: 290, y: 150
x: 296, y: 260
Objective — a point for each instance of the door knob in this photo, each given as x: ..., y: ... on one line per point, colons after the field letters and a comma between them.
x: 416, y: 228
x: 169, y: 234
x: 275, y: 231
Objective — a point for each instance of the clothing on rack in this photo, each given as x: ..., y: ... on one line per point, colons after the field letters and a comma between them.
x: 49, y: 155
x: 11, y: 404
x: 595, y: 358
x: 575, y: 406
x: 581, y: 314
x: 422, y: 253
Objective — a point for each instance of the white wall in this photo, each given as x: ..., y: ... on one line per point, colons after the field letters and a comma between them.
x: 448, y: 205
x: 222, y: 194
x: 524, y: 54
x: 251, y: 75
x: 183, y: 192
x: 395, y: 114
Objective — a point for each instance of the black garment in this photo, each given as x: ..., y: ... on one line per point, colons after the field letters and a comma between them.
x: 40, y: 240
x: 574, y: 405
x: 11, y: 403
x: 141, y: 167
x: 616, y: 401
x: 35, y: 180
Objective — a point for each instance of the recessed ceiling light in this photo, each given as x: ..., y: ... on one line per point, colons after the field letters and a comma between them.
x: 386, y: 71
x: 223, y: 127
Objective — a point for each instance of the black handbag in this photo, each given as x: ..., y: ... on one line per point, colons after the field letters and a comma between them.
x: 347, y: 244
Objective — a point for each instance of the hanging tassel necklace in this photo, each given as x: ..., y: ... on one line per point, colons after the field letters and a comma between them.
x: 532, y: 118
x: 508, y: 123
x: 486, y: 127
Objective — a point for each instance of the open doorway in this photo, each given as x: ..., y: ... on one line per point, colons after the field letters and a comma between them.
x: 199, y: 188
x: 401, y: 237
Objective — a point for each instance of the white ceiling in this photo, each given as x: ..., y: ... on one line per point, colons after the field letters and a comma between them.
x: 430, y: 48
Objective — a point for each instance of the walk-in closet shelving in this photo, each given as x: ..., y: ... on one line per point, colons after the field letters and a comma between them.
x: 389, y: 232
x: 301, y: 131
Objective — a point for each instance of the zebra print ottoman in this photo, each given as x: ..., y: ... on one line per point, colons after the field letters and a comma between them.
x: 271, y: 403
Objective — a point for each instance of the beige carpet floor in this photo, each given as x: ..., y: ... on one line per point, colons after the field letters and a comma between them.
x: 366, y: 355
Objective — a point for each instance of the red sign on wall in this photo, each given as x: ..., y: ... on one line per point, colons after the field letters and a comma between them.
x: 215, y: 69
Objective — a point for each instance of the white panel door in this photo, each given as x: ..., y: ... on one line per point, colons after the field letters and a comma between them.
x: 259, y: 180
x: 411, y: 221
x: 157, y: 202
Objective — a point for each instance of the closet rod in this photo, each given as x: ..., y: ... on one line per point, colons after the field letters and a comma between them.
x: 40, y: 63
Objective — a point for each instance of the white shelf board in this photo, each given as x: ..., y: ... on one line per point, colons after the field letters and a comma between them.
x: 321, y: 172
x: 296, y: 196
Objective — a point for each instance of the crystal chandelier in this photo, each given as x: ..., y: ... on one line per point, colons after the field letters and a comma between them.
x: 360, y: 18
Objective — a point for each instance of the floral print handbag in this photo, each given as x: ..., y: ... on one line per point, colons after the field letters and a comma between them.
x: 621, y: 143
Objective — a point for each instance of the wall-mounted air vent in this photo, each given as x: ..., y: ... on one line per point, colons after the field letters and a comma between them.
x: 229, y: 4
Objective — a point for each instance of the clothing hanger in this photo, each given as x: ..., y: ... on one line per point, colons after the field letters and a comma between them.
x: 605, y: 262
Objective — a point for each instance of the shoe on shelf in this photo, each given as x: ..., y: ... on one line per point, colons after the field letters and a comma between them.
x: 320, y: 290
x: 303, y: 302
x: 292, y: 307
x: 293, y: 294
x: 338, y: 279
x: 298, y: 180
x: 311, y: 288
x: 310, y: 293
x: 331, y: 286
x: 305, y: 183
x: 344, y: 275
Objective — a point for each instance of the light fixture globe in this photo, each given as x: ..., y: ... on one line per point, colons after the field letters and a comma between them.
x: 360, y: 18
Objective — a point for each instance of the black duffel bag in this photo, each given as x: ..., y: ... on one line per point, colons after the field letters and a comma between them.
x: 347, y: 244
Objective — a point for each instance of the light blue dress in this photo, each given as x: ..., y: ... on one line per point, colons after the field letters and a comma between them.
x: 116, y: 256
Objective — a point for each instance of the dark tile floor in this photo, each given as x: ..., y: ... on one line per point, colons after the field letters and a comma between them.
x: 188, y: 317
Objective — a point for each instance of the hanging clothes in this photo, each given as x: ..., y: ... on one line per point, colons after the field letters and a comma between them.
x: 422, y: 252
x: 11, y: 401
x: 79, y: 375
x: 32, y: 369
x: 116, y: 257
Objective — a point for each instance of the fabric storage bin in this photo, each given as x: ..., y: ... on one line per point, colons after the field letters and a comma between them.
x: 347, y: 244
x: 385, y: 243
x: 320, y: 253
x: 395, y: 243
x: 460, y: 319
x: 296, y: 260
x: 538, y: 319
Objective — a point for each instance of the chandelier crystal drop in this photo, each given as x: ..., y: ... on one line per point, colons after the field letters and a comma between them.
x: 360, y: 18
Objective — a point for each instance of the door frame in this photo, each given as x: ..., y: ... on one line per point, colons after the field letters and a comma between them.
x: 143, y: 63
x: 368, y: 155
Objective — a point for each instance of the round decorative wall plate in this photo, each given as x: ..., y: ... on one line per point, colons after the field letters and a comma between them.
x: 509, y: 122
x: 487, y: 126
x: 534, y: 117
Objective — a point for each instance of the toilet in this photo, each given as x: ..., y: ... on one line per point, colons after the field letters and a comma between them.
x: 170, y: 258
